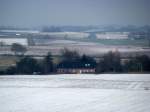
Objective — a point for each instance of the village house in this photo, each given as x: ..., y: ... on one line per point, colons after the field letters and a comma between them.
x: 76, y: 67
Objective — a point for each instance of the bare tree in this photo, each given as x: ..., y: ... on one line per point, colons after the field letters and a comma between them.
x: 69, y: 55
x: 2, y: 43
x: 18, y: 49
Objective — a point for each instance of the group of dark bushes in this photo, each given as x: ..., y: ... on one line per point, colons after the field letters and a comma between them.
x: 112, y: 62
x: 109, y: 63
x: 29, y: 65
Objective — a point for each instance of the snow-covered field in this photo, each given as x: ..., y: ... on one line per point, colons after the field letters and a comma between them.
x: 10, y: 41
x: 75, y: 93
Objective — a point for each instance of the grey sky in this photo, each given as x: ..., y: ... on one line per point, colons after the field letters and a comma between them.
x: 28, y: 13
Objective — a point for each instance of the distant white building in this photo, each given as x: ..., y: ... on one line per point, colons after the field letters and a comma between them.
x: 10, y: 41
x: 112, y: 35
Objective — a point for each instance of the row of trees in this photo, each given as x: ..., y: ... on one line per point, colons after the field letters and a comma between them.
x: 111, y: 62
x: 138, y: 64
x: 29, y: 65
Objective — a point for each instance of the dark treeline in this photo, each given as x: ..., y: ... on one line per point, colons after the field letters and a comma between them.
x: 29, y: 65
x: 110, y: 63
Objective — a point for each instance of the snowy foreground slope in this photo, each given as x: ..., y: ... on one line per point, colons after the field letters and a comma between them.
x: 75, y: 93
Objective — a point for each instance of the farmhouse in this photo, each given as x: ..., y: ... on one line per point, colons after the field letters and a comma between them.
x: 76, y: 67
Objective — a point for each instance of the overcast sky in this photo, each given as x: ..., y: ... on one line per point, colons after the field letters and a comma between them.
x: 28, y: 13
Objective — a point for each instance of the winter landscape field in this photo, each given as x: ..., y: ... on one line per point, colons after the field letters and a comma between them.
x: 75, y: 93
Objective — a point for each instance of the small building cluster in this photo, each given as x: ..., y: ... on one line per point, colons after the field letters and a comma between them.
x: 76, y: 67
